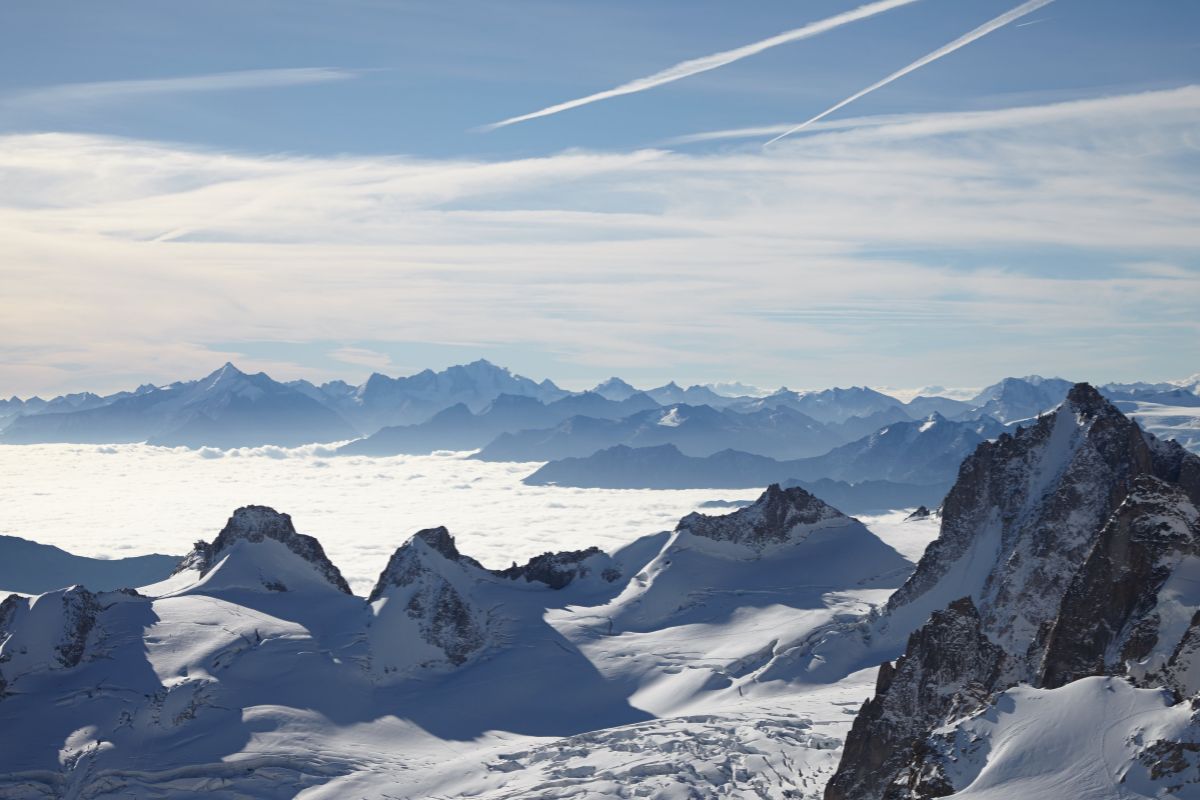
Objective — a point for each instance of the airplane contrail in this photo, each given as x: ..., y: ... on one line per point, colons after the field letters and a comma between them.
x: 695, y: 66
x: 962, y: 41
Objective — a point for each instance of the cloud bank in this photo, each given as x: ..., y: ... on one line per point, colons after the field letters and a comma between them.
x: 951, y: 247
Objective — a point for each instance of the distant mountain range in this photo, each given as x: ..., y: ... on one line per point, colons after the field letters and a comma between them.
x: 225, y: 409
x: 922, y: 452
x: 481, y: 406
x: 904, y: 464
x: 664, y: 467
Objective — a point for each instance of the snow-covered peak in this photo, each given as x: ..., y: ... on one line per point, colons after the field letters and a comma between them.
x: 779, y: 516
x: 258, y: 548
x: 224, y: 379
x: 425, y: 616
x: 615, y: 389
x: 431, y: 550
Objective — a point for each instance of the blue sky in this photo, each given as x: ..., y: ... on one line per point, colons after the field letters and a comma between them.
x: 304, y: 187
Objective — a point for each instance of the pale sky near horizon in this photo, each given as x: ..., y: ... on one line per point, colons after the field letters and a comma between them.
x: 312, y: 188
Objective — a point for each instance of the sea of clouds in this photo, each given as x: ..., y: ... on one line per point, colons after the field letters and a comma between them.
x: 113, y: 501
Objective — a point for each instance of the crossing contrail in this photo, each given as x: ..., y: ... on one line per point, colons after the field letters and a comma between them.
x: 695, y: 66
x: 962, y: 41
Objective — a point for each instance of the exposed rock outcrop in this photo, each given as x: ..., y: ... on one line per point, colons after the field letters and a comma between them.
x: 1075, y: 542
x: 424, y: 614
x: 256, y: 524
x: 773, y: 519
x: 1116, y: 617
x: 558, y: 570
x: 947, y: 669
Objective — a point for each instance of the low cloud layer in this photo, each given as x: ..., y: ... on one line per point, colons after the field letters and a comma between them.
x: 133, y: 499
x: 946, y: 248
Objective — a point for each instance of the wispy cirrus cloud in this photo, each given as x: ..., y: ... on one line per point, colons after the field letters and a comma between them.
x: 1184, y: 100
x: 954, y: 247
x: 99, y: 92
x: 945, y: 50
x: 695, y: 66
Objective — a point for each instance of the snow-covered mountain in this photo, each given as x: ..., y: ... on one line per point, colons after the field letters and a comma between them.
x: 382, y: 401
x: 1068, y: 550
x: 253, y: 672
x: 922, y: 406
x: 15, y: 407
x: 838, y: 405
x: 665, y: 467
x: 1015, y: 399
x: 919, y: 453
x: 695, y: 430
x: 615, y: 389
x: 926, y: 451
x: 227, y: 408
x: 456, y: 428
x: 674, y: 394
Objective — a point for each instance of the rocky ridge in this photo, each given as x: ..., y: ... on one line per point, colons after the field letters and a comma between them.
x: 1067, y: 550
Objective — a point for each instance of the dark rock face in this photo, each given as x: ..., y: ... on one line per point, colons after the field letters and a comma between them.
x: 422, y: 573
x: 557, y: 570
x: 1037, y: 501
x: 949, y: 651
x: 80, y: 609
x: 769, y: 521
x: 408, y: 564
x: 922, y: 512
x: 26, y: 649
x: 1066, y: 534
x: 254, y: 524
x: 1108, y: 617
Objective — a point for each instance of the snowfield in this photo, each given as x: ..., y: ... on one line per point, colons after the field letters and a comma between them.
x: 639, y: 678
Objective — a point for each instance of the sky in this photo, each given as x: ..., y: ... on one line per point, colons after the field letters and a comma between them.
x: 577, y: 190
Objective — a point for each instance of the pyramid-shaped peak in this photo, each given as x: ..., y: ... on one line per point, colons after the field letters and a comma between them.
x: 772, y: 519
x: 1086, y: 399
x: 226, y: 374
x: 412, y: 560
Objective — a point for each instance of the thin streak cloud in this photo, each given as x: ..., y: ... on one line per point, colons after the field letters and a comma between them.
x: 1175, y: 102
x: 105, y: 91
x: 695, y: 66
x: 962, y: 41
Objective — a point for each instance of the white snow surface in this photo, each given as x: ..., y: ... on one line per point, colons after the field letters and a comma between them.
x: 1181, y: 423
x: 215, y: 687
x: 1080, y: 741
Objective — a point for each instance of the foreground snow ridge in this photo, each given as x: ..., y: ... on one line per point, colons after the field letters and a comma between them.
x: 254, y: 671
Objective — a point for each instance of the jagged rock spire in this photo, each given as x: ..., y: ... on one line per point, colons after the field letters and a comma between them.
x: 255, y: 524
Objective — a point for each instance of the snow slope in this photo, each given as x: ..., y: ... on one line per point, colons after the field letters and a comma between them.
x: 252, y: 671
x: 1095, y: 739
